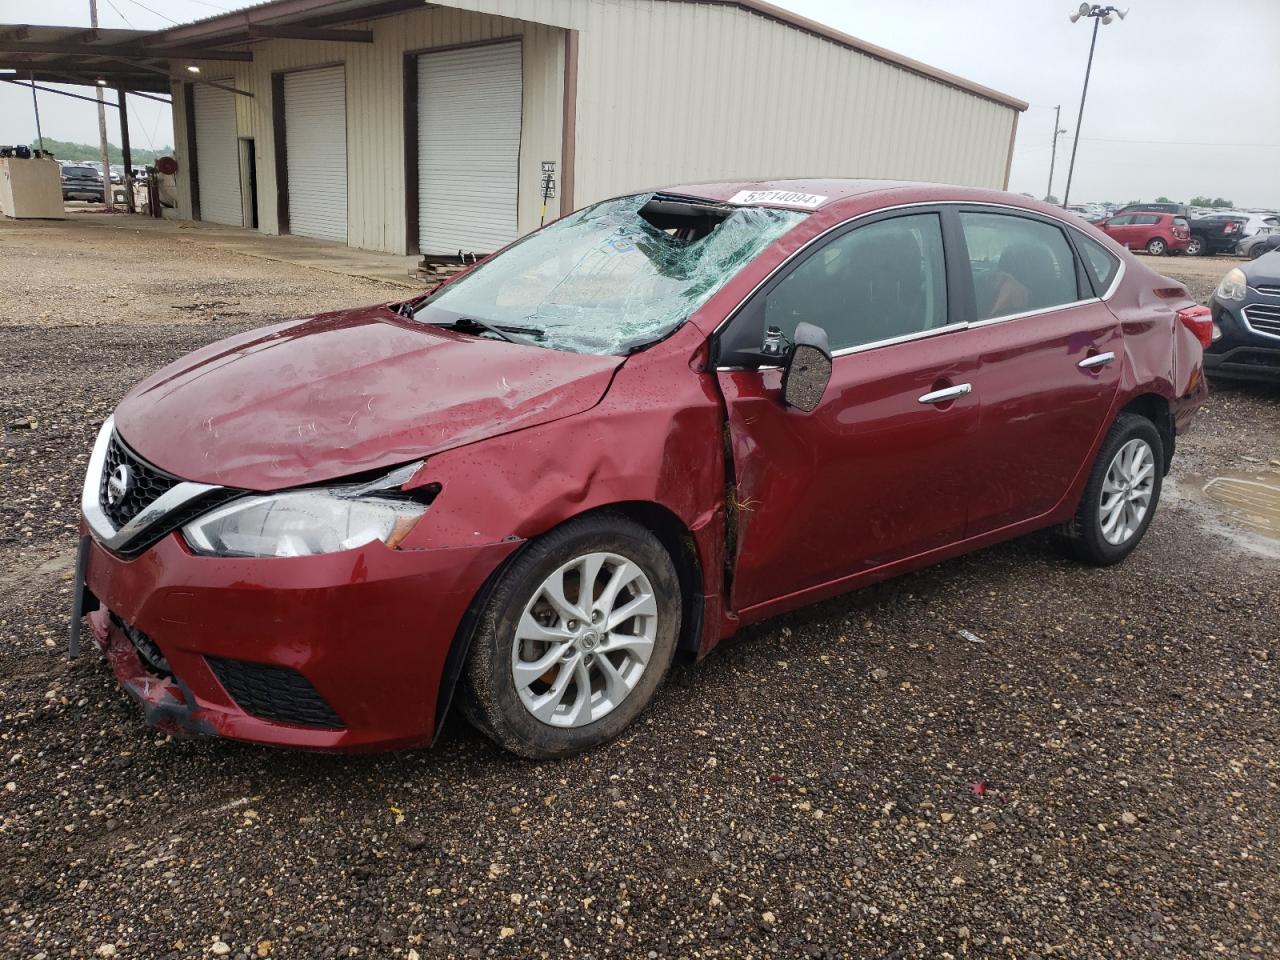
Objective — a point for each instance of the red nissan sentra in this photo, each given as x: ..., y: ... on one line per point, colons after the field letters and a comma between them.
x: 626, y: 435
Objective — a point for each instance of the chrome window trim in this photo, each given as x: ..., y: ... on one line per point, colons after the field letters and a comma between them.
x: 923, y: 334
x: 96, y: 518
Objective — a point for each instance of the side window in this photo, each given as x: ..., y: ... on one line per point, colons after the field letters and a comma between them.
x: 884, y: 280
x: 1100, y: 262
x: 1146, y: 220
x: 1121, y: 221
x: 1018, y: 264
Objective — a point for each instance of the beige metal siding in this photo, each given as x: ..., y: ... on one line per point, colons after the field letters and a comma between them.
x: 375, y: 112
x: 673, y: 92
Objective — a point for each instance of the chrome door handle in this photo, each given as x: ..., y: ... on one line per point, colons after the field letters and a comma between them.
x: 949, y: 393
x: 1097, y: 360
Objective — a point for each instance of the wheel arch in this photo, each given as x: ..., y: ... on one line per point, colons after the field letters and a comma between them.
x: 1155, y: 408
x: 676, y: 538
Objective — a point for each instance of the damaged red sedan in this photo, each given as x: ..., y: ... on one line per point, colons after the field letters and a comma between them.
x: 623, y: 437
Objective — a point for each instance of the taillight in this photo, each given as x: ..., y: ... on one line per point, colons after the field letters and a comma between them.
x: 1231, y: 228
x: 1199, y: 320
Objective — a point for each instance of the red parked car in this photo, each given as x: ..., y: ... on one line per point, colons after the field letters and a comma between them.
x: 1156, y: 233
x: 629, y: 434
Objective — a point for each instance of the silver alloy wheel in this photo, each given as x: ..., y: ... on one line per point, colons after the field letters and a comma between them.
x: 1156, y: 248
x: 584, y: 639
x: 1126, y: 491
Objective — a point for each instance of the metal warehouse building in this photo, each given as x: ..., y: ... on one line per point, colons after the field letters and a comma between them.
x: 411, y: 127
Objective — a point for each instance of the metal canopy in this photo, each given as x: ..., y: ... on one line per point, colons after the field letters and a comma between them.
x: 146, y: 60
x: 122, y: 58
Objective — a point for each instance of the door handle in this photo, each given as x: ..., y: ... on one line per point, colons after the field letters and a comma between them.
x: 1097, y: 360
x: 948, y: 393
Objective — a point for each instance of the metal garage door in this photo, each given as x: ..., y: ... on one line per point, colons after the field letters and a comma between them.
x: 468, y: 148
x: 217, y: 156
x: 315, y: 131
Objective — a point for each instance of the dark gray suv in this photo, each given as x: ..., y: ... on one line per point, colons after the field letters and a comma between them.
x: 1246, y: 322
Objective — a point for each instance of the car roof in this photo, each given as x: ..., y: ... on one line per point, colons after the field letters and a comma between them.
x: 820, y: 192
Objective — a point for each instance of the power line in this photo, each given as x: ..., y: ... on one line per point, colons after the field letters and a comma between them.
x: 156, y: 13
x: 126, y: 20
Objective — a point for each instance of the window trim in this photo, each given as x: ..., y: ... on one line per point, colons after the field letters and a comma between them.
x: 944, y: 207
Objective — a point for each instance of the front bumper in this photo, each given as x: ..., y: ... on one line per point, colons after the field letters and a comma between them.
x: 368, y: 630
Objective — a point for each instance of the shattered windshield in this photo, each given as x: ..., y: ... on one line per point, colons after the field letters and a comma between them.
x: 612, y: 277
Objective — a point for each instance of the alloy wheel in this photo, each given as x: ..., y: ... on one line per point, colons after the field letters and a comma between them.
x: 1126, y: 491
x: 584, y: 639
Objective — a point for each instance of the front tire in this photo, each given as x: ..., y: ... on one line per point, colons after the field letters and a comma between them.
x: 574, y: 639
x: 1195, y: 246
x: 1122, y: 493
x: 1157, y: 247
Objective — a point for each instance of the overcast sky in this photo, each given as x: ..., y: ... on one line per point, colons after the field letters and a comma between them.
x: 1183, y: 98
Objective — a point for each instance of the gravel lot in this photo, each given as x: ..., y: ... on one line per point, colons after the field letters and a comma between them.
x: 1094, y: 774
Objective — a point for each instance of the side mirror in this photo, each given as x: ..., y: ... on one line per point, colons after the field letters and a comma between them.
x: 808, y: 368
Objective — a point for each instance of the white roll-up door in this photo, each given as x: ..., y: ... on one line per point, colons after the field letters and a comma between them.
x: 217, y: 156
x: 315, y: 131
x: 468, y: 148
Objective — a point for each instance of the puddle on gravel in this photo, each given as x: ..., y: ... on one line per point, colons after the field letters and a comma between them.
x: 1242, y: 505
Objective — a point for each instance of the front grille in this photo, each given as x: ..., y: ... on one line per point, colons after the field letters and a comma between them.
x: 1269, y: 291
x: 146, y: 483
x: 1264, y: 318
x: 274, y: 693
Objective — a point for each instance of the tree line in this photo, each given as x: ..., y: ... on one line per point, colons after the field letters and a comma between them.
x: 66, y: 150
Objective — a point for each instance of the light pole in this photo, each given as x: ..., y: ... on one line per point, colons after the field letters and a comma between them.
x: 1100, y: 14
x: 1053, y: 157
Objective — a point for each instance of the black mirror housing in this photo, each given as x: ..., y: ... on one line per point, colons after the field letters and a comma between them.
x: 808, y: 368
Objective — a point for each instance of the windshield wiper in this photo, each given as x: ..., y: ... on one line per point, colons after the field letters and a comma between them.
x: 472, y: 325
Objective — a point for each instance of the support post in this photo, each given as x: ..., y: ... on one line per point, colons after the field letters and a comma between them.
x: 126, y: 153
x: 35, y: 105
x: 102, y: 125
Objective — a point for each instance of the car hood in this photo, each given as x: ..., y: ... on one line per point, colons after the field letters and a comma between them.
x: 1265, y: 270
x: 344, y: 393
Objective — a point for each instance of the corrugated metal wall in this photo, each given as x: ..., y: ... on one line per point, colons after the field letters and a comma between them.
x: 715, y: 92
x: 375, y: 113
x: 668, y: 91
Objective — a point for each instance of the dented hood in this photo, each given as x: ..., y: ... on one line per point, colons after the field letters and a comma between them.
x: 344, y: 393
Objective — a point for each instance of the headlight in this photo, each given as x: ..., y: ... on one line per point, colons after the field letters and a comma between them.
x: 302, y: 523
x: 1234, y: 285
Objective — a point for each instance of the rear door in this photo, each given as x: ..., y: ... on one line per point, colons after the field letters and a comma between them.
x: 1119, y: 228
x: 874, y: 474
x: 1050, y: 357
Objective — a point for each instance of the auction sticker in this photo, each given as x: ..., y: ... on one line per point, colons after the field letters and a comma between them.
x: 783, y: 198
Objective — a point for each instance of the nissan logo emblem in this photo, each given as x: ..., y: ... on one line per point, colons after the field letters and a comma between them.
x: 119, y: 484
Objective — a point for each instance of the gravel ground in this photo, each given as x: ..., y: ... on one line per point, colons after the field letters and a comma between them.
x: 1093, y: 773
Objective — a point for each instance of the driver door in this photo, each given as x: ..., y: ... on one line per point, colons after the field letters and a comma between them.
x: 878, y: 472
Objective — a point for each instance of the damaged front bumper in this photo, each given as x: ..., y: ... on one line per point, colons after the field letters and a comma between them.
x: 343, y: 651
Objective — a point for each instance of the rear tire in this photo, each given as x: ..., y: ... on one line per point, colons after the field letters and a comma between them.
x: 1157, y: 247
x: 583, y: 677
x: 1122, y: 493
x: 1195, y: 246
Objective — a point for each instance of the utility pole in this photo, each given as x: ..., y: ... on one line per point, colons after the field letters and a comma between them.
x: 1053, y: 157
x: 102, y: 124
x: 1099, y: 14
x: 35, y: 105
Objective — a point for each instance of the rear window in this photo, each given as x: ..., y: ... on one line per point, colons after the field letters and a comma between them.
x: 1100, y: 263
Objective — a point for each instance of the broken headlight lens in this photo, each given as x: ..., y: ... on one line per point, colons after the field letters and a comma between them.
x: 301, y: 524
